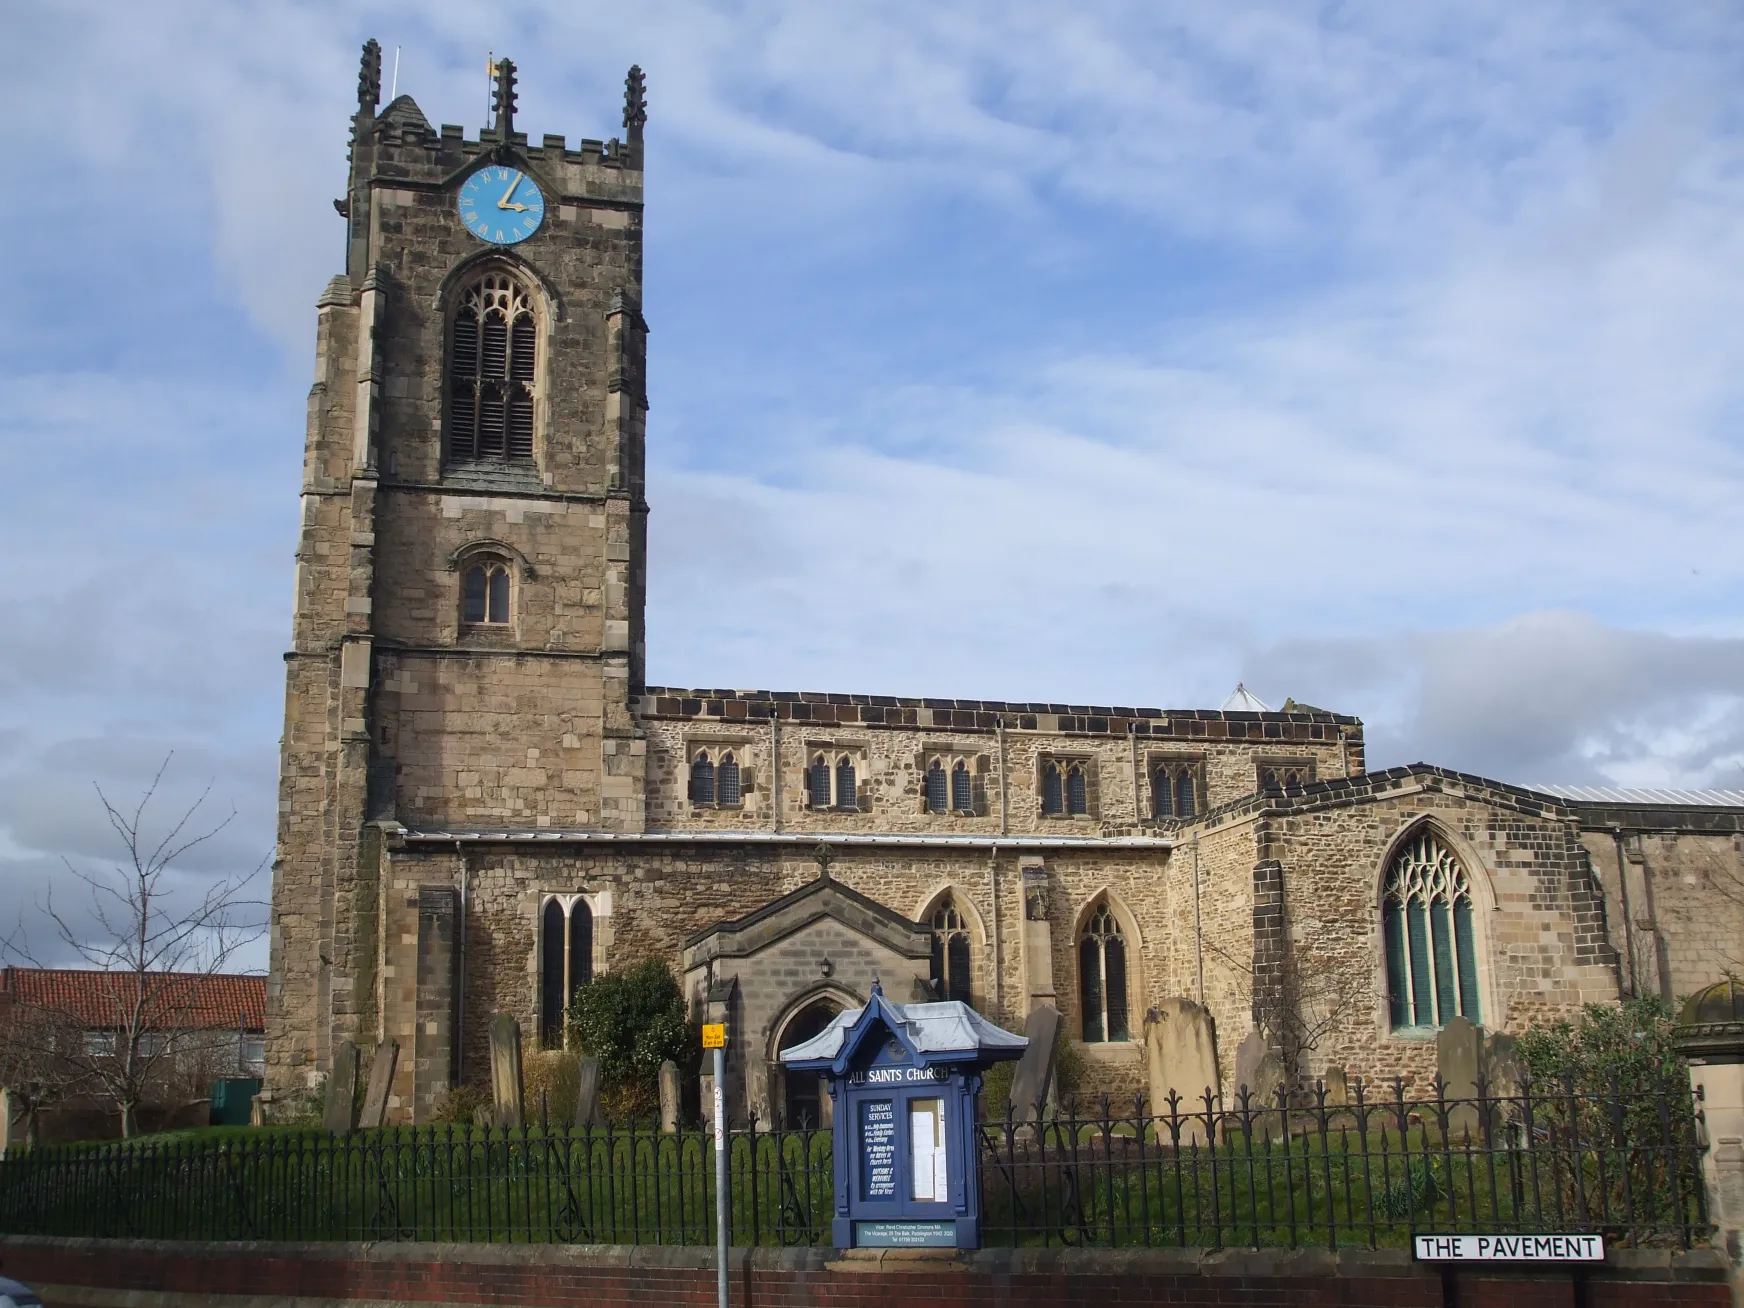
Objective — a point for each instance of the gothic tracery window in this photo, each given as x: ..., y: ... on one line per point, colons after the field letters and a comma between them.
x: 1277, y: 778
x: 1426, y: 919
x: 950, y: 973
x: 492, y: 372
x: 484, y: 592
x: 728, y: 792
x: 565, y: 961
x: 1102, y: 979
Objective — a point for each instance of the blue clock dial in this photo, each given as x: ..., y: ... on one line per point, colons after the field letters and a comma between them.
x: 501, y: 205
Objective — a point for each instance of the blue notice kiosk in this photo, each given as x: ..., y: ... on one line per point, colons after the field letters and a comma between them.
x: 904, y: 1078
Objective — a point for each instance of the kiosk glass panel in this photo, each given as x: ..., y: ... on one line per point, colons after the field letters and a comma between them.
x: 926, y: 1142
x: 878, y: 1148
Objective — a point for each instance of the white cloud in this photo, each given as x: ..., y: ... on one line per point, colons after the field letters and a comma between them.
x: 1383, y: 354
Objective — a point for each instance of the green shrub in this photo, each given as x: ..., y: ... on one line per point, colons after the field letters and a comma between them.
x: 632, y: 1021
x: 460, y: 1105
x: 1611, y: 1049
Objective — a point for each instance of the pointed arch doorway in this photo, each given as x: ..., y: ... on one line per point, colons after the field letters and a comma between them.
x: 805, y: 1102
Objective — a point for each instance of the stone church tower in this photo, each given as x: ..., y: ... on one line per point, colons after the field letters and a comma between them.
x: 470, y: 563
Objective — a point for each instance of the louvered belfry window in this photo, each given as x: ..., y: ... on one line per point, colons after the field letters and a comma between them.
x: 492, y: 371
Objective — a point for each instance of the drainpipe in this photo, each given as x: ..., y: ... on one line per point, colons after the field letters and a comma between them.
x: 1198, y: 932
x: 993, y: 889
x: 1004, y: 803
x: 1628, y: 926
x: 775, y: 762
x: 1132, y: 738
x: 1661, y: 965
x: 459, y: 1046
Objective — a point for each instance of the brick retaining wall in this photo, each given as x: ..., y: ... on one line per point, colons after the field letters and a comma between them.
x: 146, y: 1274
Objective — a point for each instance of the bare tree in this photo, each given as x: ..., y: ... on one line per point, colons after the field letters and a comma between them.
x: 1298, y: 1005
x: 153, y: 947
x: 35, y: 1044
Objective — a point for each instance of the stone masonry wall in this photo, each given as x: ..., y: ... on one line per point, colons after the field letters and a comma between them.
x: 892, y: 741
x: 1540, y: 929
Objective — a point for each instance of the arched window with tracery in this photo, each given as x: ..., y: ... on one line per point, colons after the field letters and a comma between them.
x: 702, y: 779
x: 817, y: 783
x: 962, y: 788
x: 845, y: 783
x: 727, y: 788
x: 950, y: 952
x: 1426, y: 919
x: 936, y: 787
x: 492, y: 372
x: 565, y: 962
x: 1102, y: 979
x: 484, y: 592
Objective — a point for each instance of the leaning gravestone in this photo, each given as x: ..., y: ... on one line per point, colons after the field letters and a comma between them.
x: 1181, y: 1057
x: 338, y: 1115
x: 1029, y: 1083
x: 587, y: 1082
x: 381, y: 1081
x: 505, y: 1060
x: 1501, y: 1066
x: 1258, y: 1068
x: 669, y: 1097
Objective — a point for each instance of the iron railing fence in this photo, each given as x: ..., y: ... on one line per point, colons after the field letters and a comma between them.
x: 1296, y: 1171
x: 602, y: 1185
x: 1301, y: 1169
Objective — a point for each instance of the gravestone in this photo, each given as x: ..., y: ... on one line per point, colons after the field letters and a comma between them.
x: 587, y: 1083
x: 1258, y: 1067
x: 1029, y: 1084
x: 1501, y: 1065
x: 381, y: 1082
x: 669, y: 1097
x: 505, y: 1060
x: 338, y: 1113
x: 1337, y: 1087
x: 1181, y: 1057
x: 1459, y: 1061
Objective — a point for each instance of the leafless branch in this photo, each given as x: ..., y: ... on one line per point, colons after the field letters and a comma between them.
x: 151, y: 943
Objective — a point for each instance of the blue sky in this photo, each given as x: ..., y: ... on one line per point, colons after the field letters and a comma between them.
x: 1383, y: 356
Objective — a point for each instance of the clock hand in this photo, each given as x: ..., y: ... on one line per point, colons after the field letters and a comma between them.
x: 504, y: 202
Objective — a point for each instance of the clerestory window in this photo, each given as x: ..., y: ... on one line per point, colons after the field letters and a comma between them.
x: 493, y: 372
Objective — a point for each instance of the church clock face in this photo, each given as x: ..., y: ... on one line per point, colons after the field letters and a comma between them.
x: 501, y: 205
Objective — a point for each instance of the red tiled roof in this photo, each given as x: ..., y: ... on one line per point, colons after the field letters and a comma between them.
x: 174, y: 1000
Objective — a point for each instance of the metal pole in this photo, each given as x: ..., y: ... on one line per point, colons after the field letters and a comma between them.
x: 722, y: 1215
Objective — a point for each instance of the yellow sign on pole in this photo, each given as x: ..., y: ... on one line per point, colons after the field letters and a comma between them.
x: 714, y: 1035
